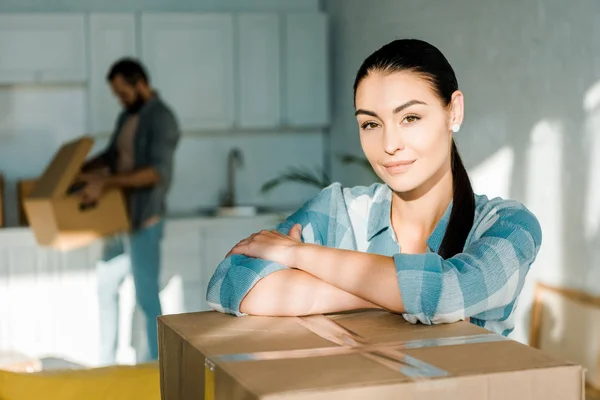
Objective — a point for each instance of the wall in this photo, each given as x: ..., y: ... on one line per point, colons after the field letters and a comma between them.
x: 35, y: 120
x: 530, y: 72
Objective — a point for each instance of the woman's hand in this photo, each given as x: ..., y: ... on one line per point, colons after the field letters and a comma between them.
x: 272, y: 246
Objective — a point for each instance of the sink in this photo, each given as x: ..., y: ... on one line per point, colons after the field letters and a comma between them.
x: 236, y: 211
x: 233, y: 212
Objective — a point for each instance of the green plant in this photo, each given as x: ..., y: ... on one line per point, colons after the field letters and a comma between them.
x: 317, y: 177
x: 352, y: 159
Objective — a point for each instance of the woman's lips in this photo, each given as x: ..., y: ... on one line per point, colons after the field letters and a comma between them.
x: 396, y: 167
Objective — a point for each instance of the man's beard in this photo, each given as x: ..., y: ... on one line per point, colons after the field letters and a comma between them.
x: 136, y: 106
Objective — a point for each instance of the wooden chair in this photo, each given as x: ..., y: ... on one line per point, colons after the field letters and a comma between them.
x: 592, y: 393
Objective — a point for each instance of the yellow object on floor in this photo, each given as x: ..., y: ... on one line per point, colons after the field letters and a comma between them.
x: 107, y: 383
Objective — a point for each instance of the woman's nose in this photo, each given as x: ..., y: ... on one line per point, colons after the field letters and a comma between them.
x: 392, y: 141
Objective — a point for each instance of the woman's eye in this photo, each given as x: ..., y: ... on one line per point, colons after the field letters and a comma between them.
x: 368, y: 125
x: 410, y: 119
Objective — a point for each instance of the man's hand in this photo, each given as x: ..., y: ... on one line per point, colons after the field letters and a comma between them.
x: 94, y: 188
x: 93, y: 174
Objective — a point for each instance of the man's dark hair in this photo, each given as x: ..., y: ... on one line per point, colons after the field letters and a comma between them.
x: 130, y: 69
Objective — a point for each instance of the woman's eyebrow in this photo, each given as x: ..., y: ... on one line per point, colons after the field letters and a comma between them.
x: 396, y: 110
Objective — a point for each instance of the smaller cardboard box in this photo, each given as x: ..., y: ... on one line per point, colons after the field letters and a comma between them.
x: 24, y: 187
x: 56, y: 212
x: 352, y: 356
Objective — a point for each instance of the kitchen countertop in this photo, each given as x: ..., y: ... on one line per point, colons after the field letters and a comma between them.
x: 210, y: 214
x: 23, y: 235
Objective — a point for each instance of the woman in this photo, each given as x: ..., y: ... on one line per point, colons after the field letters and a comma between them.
x: 422, y: 244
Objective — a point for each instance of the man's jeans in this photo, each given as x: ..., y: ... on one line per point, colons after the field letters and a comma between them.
x: 142, y: 250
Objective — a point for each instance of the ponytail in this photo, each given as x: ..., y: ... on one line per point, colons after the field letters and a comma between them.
x: 463, y: 209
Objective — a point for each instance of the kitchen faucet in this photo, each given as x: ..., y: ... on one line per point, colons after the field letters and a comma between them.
x: 233, y: 158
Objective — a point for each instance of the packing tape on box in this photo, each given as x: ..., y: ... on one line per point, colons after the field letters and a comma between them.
x: 388, y: 354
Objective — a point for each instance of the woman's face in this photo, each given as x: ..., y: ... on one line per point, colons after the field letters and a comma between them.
x: 405, y: 130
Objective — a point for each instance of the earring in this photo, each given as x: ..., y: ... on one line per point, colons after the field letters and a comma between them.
x: 455, y: 128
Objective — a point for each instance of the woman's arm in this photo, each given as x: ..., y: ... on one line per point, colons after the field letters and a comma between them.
x: 368, y: 276
x: 488, y: 275
x: 238, y: 274
x: 294, y: 293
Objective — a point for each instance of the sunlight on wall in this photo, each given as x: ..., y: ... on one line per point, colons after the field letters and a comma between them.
x: 591, y: 98
x: 591, y: 105
x: 544, y: 194
x: 493, y: 176
x: 591, y: 212
x: 543, y: 197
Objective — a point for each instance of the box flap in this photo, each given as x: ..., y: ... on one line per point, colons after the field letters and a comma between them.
x: 63, y: 169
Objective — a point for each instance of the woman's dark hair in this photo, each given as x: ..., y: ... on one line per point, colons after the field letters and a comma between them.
x: 426, y: 60
x: 131, y: 70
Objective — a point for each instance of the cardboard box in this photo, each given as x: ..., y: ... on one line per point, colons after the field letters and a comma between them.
x: 365, y: 355
x: 24, y: 187
x: 566, y: 324
x: 58, y: 216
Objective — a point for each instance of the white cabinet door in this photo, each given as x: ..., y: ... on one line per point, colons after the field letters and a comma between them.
x: 36, y: 48
x: 259, y: 66
x: 181, y: 251
x: 190, y: 60
x: 306, y: 70
x: 49, y: 299
x: 111, y: 37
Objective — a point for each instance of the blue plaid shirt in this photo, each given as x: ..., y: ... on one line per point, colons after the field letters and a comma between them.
x: 483, y: 282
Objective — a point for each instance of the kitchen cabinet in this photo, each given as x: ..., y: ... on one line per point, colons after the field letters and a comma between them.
x: 218, y: 70
x: 111, y: 37
x: 68, y: 315
x: 42, y: 48
x: 190, y: 61
x: 221, y: 238
x: 284, y: 70
x: 192, y: 250
x: 306, y: 64
x: 259, y: 66
x: 181, y: 250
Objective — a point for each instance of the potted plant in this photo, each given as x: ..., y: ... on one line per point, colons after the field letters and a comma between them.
x: 317, y: 177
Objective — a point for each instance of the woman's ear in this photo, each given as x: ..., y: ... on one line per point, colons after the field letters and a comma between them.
x: 457, y: 110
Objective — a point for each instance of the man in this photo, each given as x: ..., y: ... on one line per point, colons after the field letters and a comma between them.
x: 139, y: 161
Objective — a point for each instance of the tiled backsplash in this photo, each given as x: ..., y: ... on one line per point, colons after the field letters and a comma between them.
x: 34, y: 121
